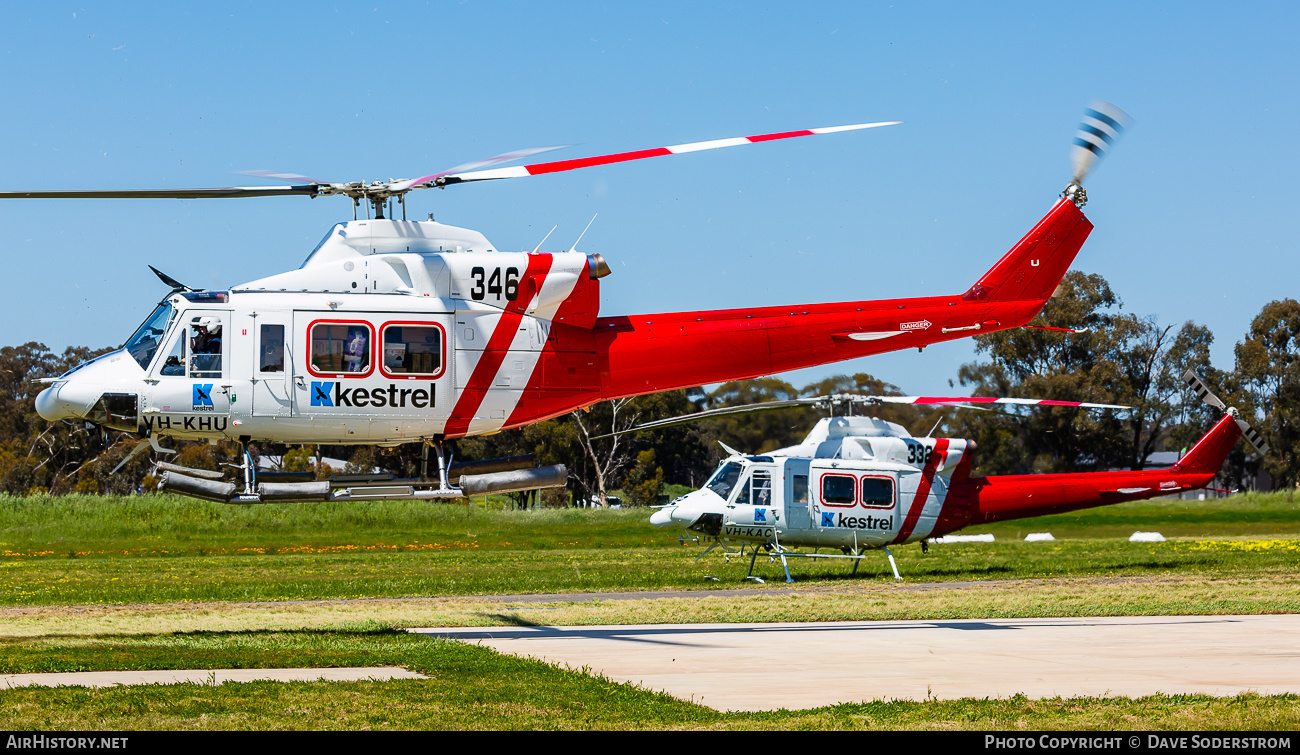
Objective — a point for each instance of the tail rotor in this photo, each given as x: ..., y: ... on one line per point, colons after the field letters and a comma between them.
x: 1204, y: 393
x: 1101, y: 125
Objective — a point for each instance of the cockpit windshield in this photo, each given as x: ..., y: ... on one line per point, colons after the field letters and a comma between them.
x: 144, y: 344
x: 724, y: 479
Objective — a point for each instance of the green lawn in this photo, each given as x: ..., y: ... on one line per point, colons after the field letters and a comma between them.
x: 152, y: 549
x: 163, y: 582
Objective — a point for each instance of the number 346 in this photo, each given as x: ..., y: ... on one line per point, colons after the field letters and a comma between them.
x: 484, y: 284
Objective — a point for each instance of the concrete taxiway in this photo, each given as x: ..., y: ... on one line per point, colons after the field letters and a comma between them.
x: 807, y: 665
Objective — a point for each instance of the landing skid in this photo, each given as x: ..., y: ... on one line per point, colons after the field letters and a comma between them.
x: 779, y: 551
x: 498, y: 476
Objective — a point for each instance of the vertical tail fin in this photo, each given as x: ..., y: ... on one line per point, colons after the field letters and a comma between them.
x: 1033, y: 268
x: 1209, y: 453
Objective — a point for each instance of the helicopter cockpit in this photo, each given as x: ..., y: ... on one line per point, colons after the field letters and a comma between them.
x: 144, y: 343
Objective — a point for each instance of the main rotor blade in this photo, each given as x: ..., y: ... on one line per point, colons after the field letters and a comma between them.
x: 853, y: 398
x: 424, y: 182
x: 233, y: 192
x: 713, y: 413
x: 622, y: 157
x: 945, y: 400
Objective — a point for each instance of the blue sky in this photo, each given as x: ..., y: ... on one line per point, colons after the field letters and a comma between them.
x: 1191, y: 209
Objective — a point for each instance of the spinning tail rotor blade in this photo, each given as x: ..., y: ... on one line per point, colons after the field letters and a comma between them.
x: 1203, y: 393
x: 1101, y: 126
x: 1198, y: 387
x: 1252, y: 437
x: 622, y: 157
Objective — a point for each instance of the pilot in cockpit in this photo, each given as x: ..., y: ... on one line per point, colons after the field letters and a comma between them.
x: 207, y: 336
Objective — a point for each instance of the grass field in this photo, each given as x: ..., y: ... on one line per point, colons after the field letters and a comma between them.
x: 160, y: 582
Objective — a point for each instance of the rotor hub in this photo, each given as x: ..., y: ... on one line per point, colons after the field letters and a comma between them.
x: 1075, y: 193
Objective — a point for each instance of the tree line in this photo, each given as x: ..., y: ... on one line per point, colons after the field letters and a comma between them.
x: 1121, y: 358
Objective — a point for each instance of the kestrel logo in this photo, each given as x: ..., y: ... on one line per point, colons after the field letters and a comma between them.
x: 393, y: 395
x: 828, y: 519
x: 320, y: 393
x: 203, y: 398
x: 760, y: 515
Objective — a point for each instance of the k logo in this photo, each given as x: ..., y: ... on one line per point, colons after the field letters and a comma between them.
x: 760, y: 515
x: 828, y: 519
x: 202, y: 395
x: 320, y: 393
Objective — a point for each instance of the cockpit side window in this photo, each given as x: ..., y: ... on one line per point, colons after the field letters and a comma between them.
x: 757, y: 490
x: 143, y: 344
x: 174, y: 364
x: 724, y: 479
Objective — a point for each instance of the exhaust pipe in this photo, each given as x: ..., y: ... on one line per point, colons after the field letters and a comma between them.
x: 206, y: 474
x: 504, y: 464
x: 294, y: 491
x: 515, y: 481
x: 208, y: 490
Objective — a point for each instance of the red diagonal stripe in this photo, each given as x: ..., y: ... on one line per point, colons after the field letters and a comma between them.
x: 781, y: 135
x: 922, y: 490
x: 587, y: 162
x: 494, y: 353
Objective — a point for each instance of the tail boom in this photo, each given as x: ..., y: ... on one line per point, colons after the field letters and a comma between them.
x: 649, y: 353
x: 638, y: 354
x: 983, y: 500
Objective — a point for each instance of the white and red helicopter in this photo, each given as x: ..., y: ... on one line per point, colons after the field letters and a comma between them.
x: 396, y: 331
x: 857, y: 484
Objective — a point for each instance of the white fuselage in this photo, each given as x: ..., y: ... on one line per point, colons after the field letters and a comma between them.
x: 379, y: 337
x: 854, y: 483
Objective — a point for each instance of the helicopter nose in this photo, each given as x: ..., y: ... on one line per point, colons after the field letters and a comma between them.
x: 663, y: 517
x: 680, y: 516
x: 64, y: 401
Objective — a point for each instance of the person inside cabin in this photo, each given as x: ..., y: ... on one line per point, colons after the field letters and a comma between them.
x: 207, y: 336
x: 205, y: 347
x: 356, y: 355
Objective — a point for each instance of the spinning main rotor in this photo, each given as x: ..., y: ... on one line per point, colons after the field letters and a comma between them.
x: 381, y: 193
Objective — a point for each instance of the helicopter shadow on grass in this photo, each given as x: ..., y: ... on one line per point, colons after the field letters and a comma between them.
x: 202, y: 649
x: 1159, y: 565
x: 991, y: 572
x: 378, y: 631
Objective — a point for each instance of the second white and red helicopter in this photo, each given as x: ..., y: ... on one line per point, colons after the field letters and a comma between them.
x: 858, y: 484
x: 396, y: 331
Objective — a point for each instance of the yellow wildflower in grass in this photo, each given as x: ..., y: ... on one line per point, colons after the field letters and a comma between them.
x: 1247, y: 545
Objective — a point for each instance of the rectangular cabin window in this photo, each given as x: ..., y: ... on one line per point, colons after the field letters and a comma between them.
x: 839, y: 490
x: 877, y: 492
x: 341, y: 348
x: 412, y: 350
x: 800, y: 489
x: 271, y: 354
x: 205, y: 347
